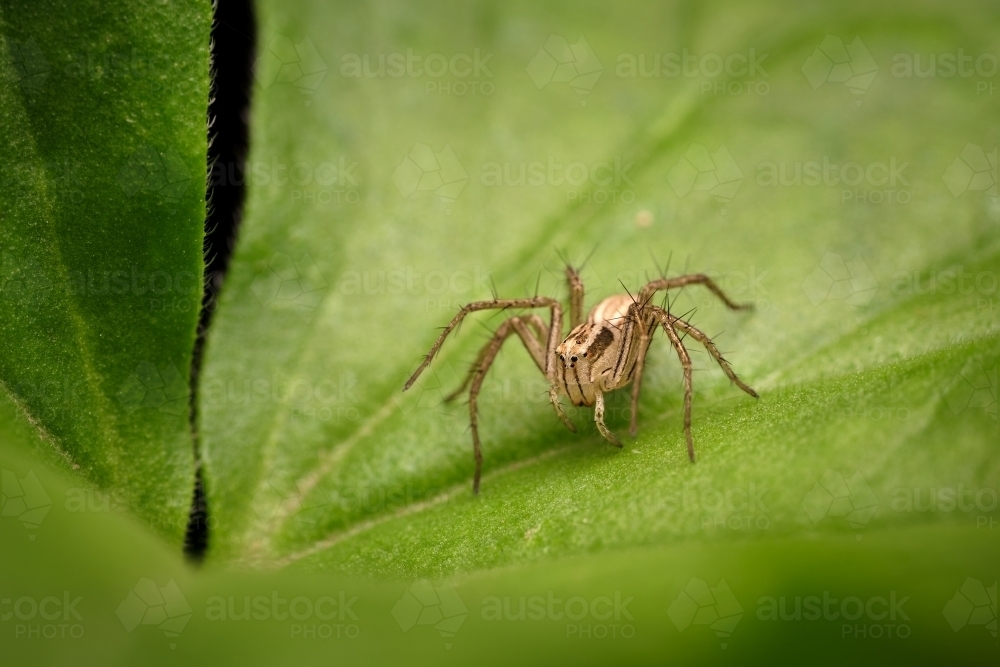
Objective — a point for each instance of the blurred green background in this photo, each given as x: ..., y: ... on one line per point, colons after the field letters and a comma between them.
x: 835, y: 165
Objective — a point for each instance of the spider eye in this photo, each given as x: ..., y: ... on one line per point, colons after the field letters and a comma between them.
x: 584, y: 354
x: 573, y: 358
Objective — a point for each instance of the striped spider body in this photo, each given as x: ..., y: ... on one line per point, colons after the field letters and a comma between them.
x: 596, y: 356
x: 604, y: 353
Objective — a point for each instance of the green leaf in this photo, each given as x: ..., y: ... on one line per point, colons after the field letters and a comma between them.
x: 143, y: 602
x: 102, y: 125
x: 379, y: 202
x: 866, y: 472
x: 71, y: 547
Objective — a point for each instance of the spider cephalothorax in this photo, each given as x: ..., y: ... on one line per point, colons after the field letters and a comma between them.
x: 604, y: 353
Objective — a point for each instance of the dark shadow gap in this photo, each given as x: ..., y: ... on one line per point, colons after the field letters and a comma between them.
x: 233, y: 36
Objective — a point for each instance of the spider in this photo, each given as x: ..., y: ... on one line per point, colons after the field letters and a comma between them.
x: 605, y: 353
